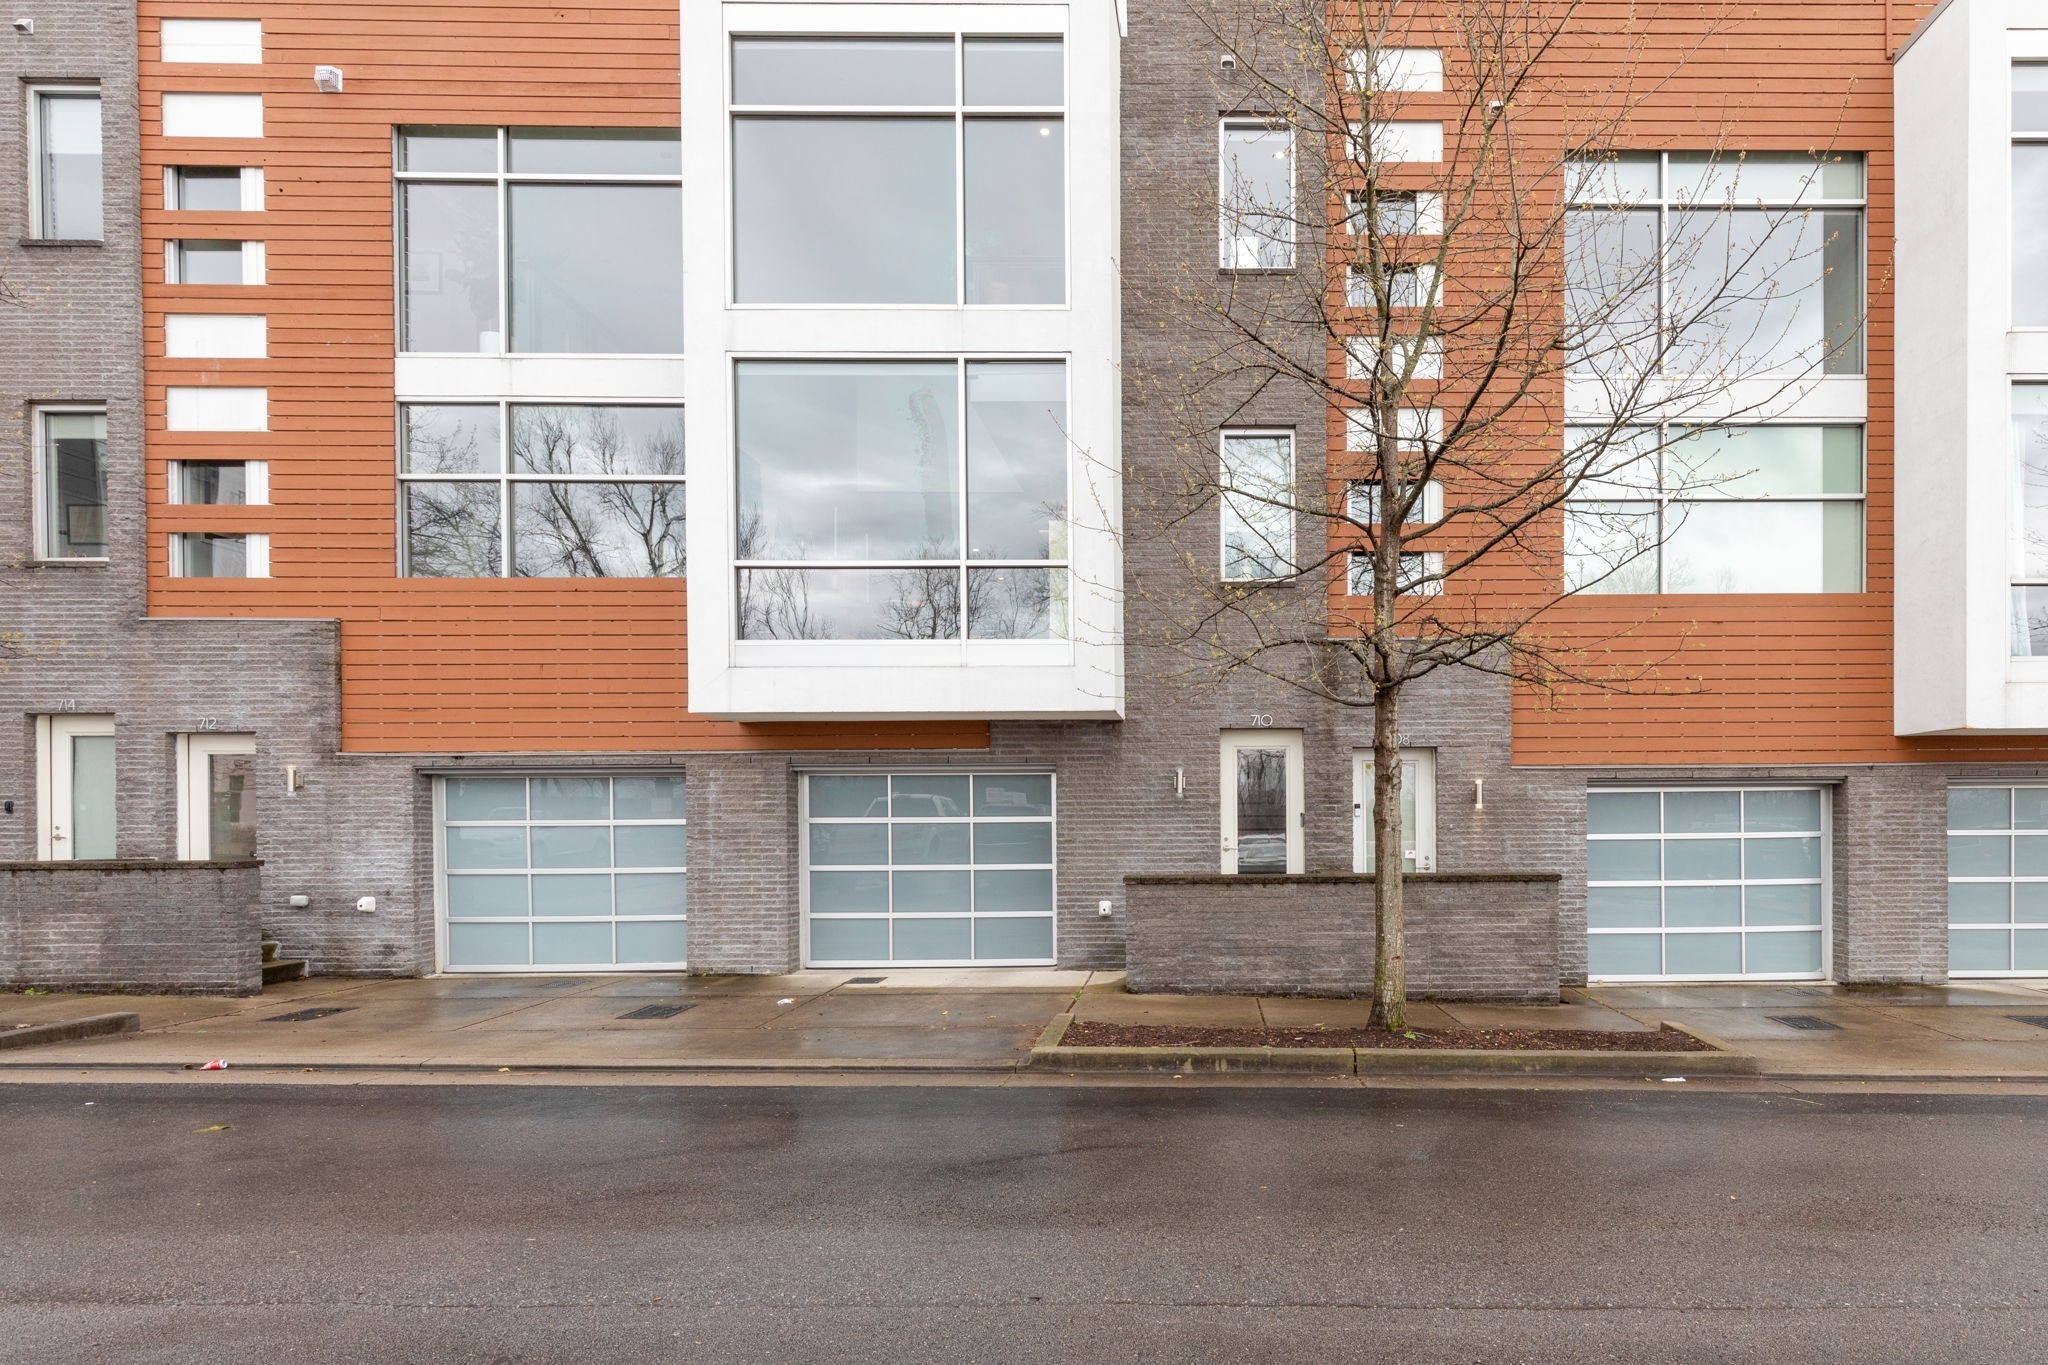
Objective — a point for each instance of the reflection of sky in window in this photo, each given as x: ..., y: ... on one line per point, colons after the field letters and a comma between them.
x: 847, y: 461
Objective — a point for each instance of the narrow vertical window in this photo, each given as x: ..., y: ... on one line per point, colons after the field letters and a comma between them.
x: 64, y: 171
x: 2028, y: 555
x: 2030, y: 194
x: 1257, y: 196
x: 71, y: 460
x: 1257, y: 505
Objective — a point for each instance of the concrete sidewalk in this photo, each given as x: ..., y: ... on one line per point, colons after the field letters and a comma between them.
x: 943, y: 1021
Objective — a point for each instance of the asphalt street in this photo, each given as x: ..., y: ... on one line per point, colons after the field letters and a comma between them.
x: 898, y: 1223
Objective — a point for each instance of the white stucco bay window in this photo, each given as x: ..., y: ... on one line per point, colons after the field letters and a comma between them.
x: 902, y: 406
x: 1971, y: 352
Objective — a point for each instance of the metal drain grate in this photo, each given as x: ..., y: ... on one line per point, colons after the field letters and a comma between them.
x: 2037, y: 1020
x: 865, y: 980
x: 656, y: 1012
x: 301, y: 1016
x: 1812, y: 1023
x: 557, y: 985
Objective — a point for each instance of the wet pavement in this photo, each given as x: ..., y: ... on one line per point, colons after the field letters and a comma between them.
x: 968, y: 1021
x: 1109, y: 1223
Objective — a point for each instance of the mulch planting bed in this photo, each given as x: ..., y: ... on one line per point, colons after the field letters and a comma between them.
x: 1084, y: 1033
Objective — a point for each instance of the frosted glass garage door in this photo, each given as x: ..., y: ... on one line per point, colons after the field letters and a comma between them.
x: 923, y: 869
x: 1702, y: 883
x: 1998, y: 881
x: 563, y: 873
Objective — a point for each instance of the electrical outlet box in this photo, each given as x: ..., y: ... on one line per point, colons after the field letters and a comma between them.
x: 1102, y: 908
x: 367, y: 904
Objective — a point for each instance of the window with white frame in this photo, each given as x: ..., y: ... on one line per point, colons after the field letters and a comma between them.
x: 912, y: 169
x: 2030, y: 194
x: 1396, y: 213
x: 71, y: 483
x: 220, y: 554
x: 220, y: 483
x: 541, y: 490
x: 2028, y: 553
x: 1998, y: 880
x: 930, y: 868
x: 902, y: 499
x: 1363, y: 505
x: 1421, y: 575
x: 1257, y: 190
x: 1741, y: 509
x: 64, y: 177
x: 1707, y: 882
x: 189, y: 260
x: 540, y: 240
x: 213, y: 189
x: 1406, y: 286
x: 1701, y: 263
x: 1380, y: 70
x: 1256, y: 505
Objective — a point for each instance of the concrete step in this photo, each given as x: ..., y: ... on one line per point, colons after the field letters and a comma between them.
x: 283, y: 969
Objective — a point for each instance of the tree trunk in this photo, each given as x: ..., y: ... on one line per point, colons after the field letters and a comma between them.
x: 1389, y: 961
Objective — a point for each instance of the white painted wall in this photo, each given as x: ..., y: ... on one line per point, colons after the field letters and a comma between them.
x: 1956, y: 358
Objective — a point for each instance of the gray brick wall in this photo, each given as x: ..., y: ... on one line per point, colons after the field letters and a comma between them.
x: 1469, y: 937
x: 183, y: 928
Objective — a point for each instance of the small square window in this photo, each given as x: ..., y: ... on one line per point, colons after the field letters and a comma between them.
x: 1421, y: 575
x: 208, y: 554
x: 193, y: 261
x: 220, y: 483
x: 213, y: 189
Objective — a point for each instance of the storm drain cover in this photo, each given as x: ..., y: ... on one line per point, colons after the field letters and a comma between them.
x: 558, y: 985
x: 2037, y: 1020
x: 1810, y: 1022
x: 301, y: 1016
x: 865, y: 980
x: 656, y: 1012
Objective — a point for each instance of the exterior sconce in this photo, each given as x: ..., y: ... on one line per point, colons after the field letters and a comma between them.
x: 1478, y: 793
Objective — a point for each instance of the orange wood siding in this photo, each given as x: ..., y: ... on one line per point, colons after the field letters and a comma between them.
x: 1752, y: 678
x: 427, y: 665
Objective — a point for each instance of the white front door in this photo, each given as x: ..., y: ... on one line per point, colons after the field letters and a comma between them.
x: 1262, y: 801
x: 75, y: 788
x: 216, y: 797
x: 1418, y: 811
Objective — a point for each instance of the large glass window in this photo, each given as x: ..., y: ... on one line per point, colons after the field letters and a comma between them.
x: 1998, y: 881
x: 564, y: 871
x: 64, y: 171
x: 1696, y: 263
x: 2030, y: 194
x: 72, y: 477
x: 541, y: 240
x: 1706, y: 882
x: 1257, y: 504
x: 902, y: 500
x: 536, y: 490
x: 919, y: 170
x: 929, y: 869
x: 1257, y: 190
x: 2028, y: 554
x: 1752, y: 509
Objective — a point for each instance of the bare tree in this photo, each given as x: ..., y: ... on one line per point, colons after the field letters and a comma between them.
x: 1520, y: 343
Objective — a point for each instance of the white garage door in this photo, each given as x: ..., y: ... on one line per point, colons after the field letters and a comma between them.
x: 1699, y: 883
x: 928, y: 869
x: 569, y: 872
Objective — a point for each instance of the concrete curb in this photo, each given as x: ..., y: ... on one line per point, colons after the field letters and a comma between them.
x: 1051, y: 1054
x: 70, y: 1030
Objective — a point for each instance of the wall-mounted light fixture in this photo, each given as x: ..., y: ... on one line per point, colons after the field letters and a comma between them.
x: 327, y: 79
x: 1478, y: 793
x: 1180, y: 784
x: 294, y: 780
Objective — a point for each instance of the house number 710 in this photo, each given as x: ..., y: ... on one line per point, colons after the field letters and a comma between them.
x: 1260, y: 722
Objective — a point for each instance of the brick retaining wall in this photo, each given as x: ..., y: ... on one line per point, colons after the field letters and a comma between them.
x: 1471, y: 936
x: 179, y: 928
